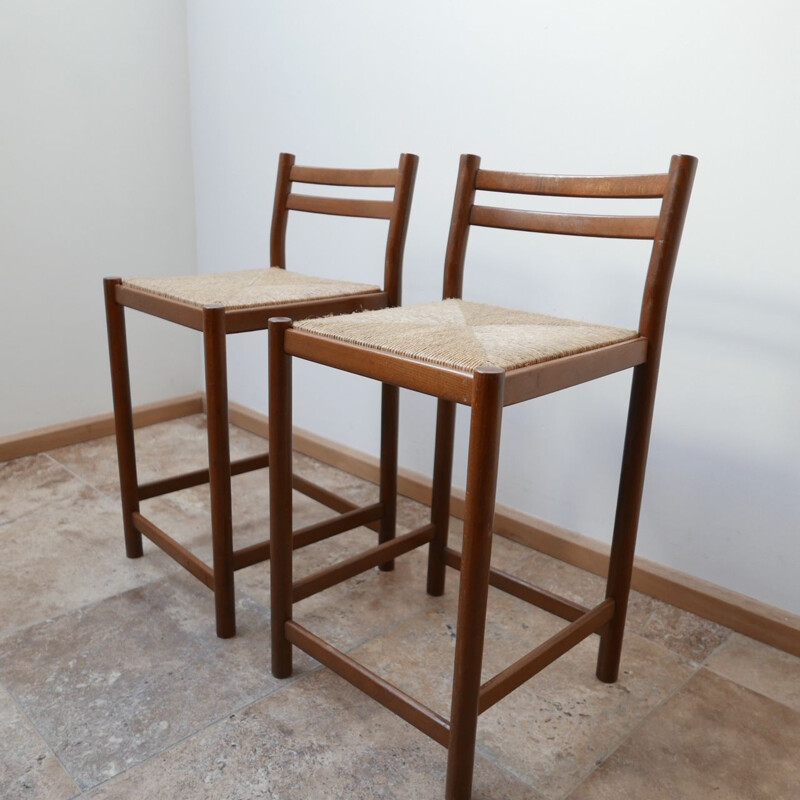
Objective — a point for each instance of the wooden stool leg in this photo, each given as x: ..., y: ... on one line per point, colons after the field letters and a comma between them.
x: 440, y: 501
x: 219, y: 464
x: 484, y: 451
x: 280, y: 495
x: 123, y: 416
x: 629, y: 501
x: 390, y: 417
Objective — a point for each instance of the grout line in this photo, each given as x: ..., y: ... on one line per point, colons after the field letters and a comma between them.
x: 695, y: 668
x: 285, y: 683
x: 724, y: 643
x: 50, y: 748
x: 78, y: 477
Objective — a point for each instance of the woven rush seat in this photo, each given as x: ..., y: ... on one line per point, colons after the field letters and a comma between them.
x: 248, y: 288
x: 484, y: 358
x: 230, y: 303
x: 464, y: 335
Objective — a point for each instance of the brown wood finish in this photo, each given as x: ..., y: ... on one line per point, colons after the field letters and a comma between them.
x: 174, y: 549
x: 218, y: 322
x: 567, y: 224
x: 390, y: 420
x: 484, y: 390
x: 398, y: 228
x: 459, y: 227
x: 538, y: 380
x: 219, y: 467
x: 244, y: 320
x: 156, y: 306
x: 523, y: 590
x: 334, y: 176
x: 611, y: 186
x: 302, y: 537
x: 429, y: 379
x: 406, y: 707
x: 640, y: 413
x: 751, y: 617
x: 348, y: 568
x: 546, y: 653
x: 342, y: 206
x: 440, y: 495
x: 198, y: 477
x: 280, y: 211
x: 280, y: 497
x: 123, y: 416
x: 482, y: 464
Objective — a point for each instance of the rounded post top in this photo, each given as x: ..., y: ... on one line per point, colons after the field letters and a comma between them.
x: 489, y: 369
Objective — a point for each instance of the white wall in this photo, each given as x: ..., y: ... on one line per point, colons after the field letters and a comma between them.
x: 609, y: 86
x: 95, y: 180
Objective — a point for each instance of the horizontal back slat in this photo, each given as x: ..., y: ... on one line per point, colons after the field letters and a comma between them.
x: 569, y: 224
x: 344, y: 206
x: 345, y: 177
x: 611, y: 186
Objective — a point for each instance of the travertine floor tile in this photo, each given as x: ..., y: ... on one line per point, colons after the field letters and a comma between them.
x: 680, y: 631
x: 551, y: 731
x: 30, y: 483
x: 316, y: 740
x: 168, y: 448
x: 713, y: 739
x: 124, y: 680
x: 113, y: 683
x: 352, y: 612
x: 355, y: 489
x: 67, y: 554
x: 28, y: 768
x: 189, y: 518
x: 759, y: 667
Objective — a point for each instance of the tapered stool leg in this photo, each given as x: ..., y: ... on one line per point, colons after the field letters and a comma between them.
x: 629, y: 501
x: 484, y: 450
x: 123, y: 416
x: 390, y: 418
x: 440, y: 500
x: 219, y: 464
x: 280, y: 495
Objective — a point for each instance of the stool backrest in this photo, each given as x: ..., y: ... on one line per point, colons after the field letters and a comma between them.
x: 396, y: 210
x: 673, y: 187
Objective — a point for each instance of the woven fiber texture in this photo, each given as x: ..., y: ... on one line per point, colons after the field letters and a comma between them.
x: 248, y: 288
x: 465, y: 335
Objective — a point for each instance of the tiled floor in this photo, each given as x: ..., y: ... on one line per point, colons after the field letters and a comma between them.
x: 114, y: 685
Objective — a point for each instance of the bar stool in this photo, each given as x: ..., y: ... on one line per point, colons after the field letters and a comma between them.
x: 487, y: 358
x: 235, y: 302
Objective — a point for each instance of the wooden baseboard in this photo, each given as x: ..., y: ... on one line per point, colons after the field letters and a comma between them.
x: 83, y: 430
x: 751, y: 617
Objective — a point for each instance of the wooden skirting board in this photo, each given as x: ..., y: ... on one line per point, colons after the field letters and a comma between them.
x: 83, y: 430
x: 751, y: 617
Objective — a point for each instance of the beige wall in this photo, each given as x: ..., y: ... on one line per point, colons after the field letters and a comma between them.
x: 575, y: 86
x: 95, y: 180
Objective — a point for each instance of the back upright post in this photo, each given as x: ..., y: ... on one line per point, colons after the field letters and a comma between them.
x: 280, y: 214
x: 446, y: 409
x: 640, y: 411
x: 390, y: 395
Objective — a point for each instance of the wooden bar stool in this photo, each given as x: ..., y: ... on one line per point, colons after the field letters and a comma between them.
x: 235, y: 302
x: 488, y: 358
